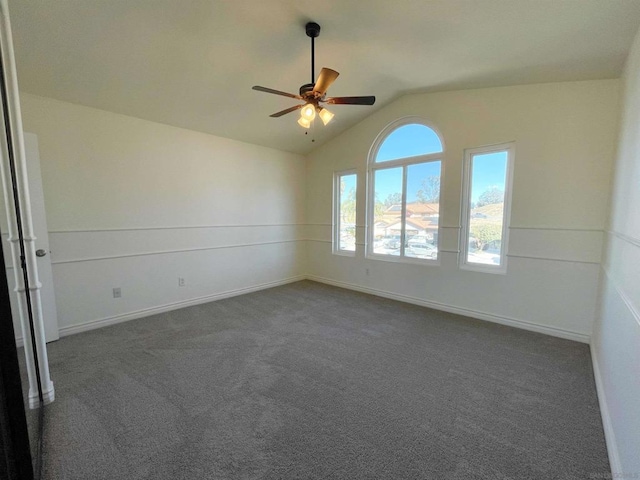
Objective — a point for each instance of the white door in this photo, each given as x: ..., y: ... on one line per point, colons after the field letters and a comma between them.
x: 45, y: 275
x: 39, y: 219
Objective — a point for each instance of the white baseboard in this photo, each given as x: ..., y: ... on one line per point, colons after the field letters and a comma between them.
x: 490, y: 317
x: 112, y: 320
x: 609, y: 433
x: 145, y: 312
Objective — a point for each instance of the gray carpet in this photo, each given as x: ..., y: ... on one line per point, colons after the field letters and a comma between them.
x: 308, y: 381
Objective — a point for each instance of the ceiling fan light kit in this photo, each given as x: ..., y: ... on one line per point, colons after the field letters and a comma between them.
x: 325, y: 115
x: 308, y: 112
x: 304, y: 123
x: 313, y: 94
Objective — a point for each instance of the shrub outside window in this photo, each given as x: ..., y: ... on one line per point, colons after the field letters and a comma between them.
x: 405, y: 171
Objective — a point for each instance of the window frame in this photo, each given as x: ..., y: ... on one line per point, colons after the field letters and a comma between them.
x: 373, y: 166
x: 469, y: 153
x: 335, y: 234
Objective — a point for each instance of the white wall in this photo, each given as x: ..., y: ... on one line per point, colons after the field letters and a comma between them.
x: 565, y: 142
x: 135, y: 204
x: 130, y: 200
x: 616, y: 340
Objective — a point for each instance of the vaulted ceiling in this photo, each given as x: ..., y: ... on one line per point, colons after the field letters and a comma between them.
x: 192, y: 63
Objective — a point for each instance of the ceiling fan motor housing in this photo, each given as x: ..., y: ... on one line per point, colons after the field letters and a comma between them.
x: 312, y: 29
x: 306, y: 90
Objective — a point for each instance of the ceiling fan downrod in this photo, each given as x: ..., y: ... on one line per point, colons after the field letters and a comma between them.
x: 313, y: 31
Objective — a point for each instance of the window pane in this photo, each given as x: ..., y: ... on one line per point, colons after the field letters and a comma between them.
x: 409, y: 141
x: 486, y: 210
x: 347, y: 215
x: 423, y: 210
x: 387, y: 221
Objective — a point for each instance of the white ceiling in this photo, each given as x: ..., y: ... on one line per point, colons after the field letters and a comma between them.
x: 192, y: 63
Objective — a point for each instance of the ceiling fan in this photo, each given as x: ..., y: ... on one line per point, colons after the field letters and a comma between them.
x: 314, y: 94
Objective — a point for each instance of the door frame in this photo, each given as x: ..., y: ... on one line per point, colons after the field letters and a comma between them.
x: 16, y: 463
x: 13, y: 168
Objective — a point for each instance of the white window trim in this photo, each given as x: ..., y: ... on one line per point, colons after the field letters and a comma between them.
x: 469, y: 153
x: 372, y: 166
x: 335, y: 224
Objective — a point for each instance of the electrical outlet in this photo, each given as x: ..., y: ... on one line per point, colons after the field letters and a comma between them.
x: 181, y: 282
x: 367, y: 272
x: 117, y: 293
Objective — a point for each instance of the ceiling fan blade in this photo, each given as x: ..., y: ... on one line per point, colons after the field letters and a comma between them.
x: 275, y: 92
x: 325, y: 79
x: 351, y: 100
x: 288, y: 110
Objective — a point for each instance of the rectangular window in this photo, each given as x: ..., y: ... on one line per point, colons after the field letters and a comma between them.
x: 344, y: 223
x: 406, y: 211
x: 488, y: 173
x: 388, y: 211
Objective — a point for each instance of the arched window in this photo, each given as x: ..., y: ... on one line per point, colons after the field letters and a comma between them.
x: 410, y: 140
x: 405, y: 170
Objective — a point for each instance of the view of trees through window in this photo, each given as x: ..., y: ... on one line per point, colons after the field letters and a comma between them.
x: 346, y: 239
x: 403, y: 194
x: 488, y: 180
x: 406, y: 194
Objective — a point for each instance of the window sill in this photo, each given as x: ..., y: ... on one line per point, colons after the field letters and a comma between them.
x: 501, y: 270
x: 405, y: 260
x: 344, y: 253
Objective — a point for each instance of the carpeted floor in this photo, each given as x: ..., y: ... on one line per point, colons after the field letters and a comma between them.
x: 307, y: 381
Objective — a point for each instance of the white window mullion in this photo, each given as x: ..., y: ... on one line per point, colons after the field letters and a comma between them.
x: 403, y: 222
